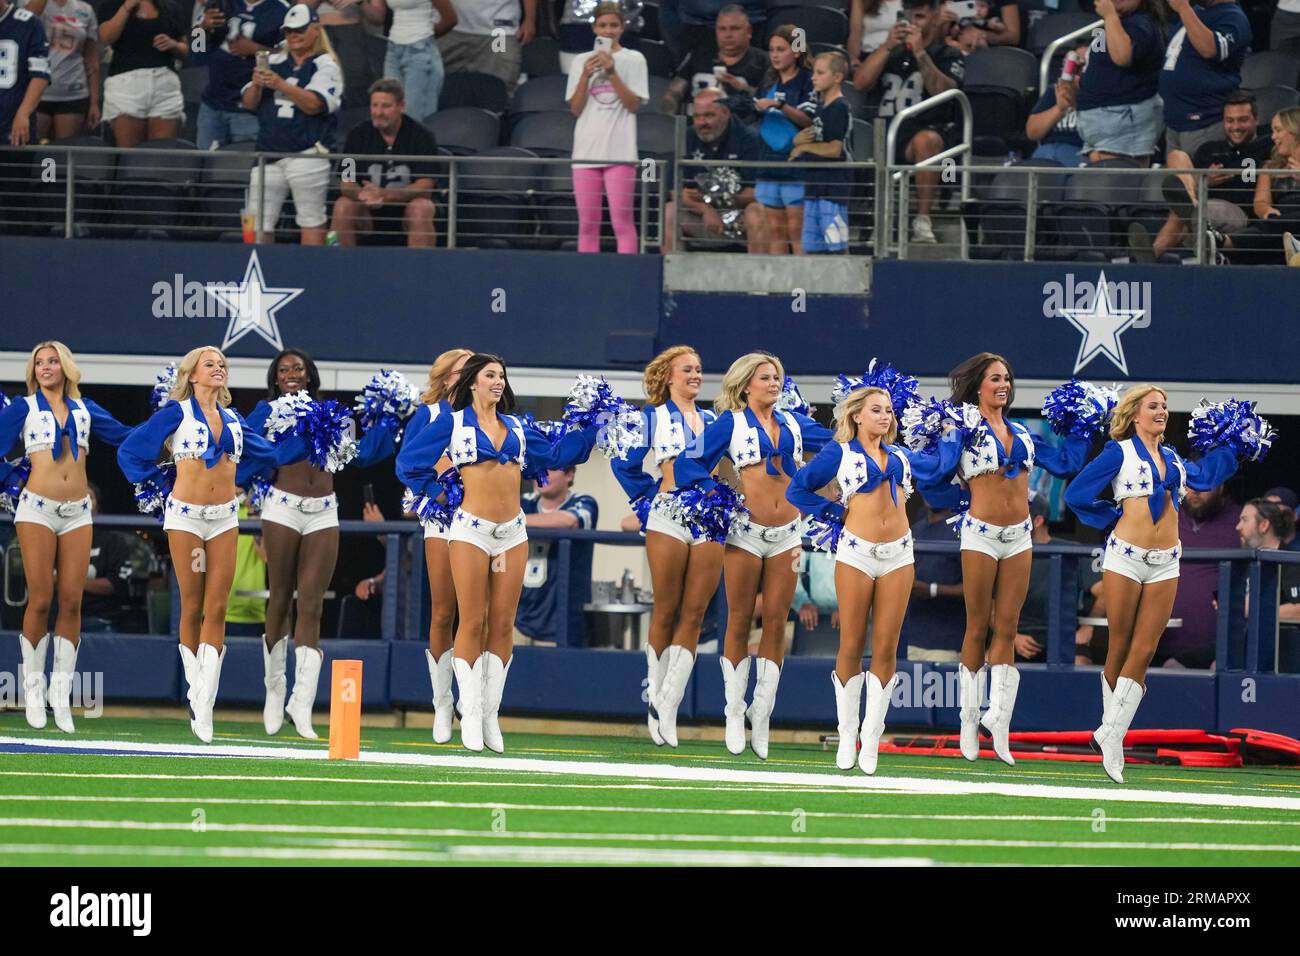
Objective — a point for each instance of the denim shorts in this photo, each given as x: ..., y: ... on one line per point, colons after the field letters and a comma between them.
x: 778, y: 194
x: 1129, y: 130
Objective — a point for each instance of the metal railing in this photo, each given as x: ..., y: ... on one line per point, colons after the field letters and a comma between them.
x: 1045, y: 64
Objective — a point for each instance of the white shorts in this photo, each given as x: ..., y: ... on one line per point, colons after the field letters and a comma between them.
x: 305, y: 515
x: 1143, y: 565
x: 205, y: 522
x: 662, y: 521
x: 144, y: 94
x: 873, y: 559
x: 998, y: 542
x: 307, y: 177
x: 488, y: 536
x: 765, y: 542
x: 433, y: 530
x: 59, y: 516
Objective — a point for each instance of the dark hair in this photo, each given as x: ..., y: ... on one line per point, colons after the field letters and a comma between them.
x: 801, y: 60
x: 913, y: 4
x: 1242, y: 98
x: 1280, y: 518
x: 1156, y: 10
x: 387, y: 85
x: 966, y: 379
x: 461, y: 397
x: 313, y: 376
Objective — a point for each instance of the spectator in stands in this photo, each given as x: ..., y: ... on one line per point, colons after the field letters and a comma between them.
x: 1284, y: 32
x: 913, y: 64
x: 1266, y: 524
x: 814, y: 591
x: 688, y: 25
x: 28, y: 77
x: 1031, y: 638
x: 107, y: 586
x: 306, y: 86
x: 246, y: 613
x: 385, y: 201
x: 1231, y: 195
x: 936, y: 617
x: 413, y: 57
x: 826, y: 202
x: 489, y: 37
x: 870, y: 22
x: 786, y: 101
x: 1118, y: 103
x: 1054, y: 122
x: 1207, y: 519
x: 1277, y: 198
x: 1288, y: 499
x: 71, y: 102
x: 726, y: 60
x: 237, y: 30
x: 606, y: 88
x: 348, y: 45
x: 554, y: 505
x: 142, y: 95
x: 715, y: 134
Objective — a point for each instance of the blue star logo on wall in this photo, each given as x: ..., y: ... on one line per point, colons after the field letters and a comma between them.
x: 253, y: 306
x: 1101, y: 325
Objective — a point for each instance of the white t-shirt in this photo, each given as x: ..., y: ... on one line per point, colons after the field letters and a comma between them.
x: 1290, y: 6
x: 875, y: 30
x: 607, y: 129
x: 484, y: 16
x: 413, y: 20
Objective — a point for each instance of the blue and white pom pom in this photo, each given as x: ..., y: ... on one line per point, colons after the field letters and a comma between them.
x: 708, y: 515
x: 641, y: 508
x: 13, y: 478
x: 592, y: 403
x: 151, y: 494
x: 387, y: 401
x: 429, y: 509
x: 923, y: 423
x: 791, y: 400
x: 255, y: 495
x: 163, y: 388
x: 825, y: 535
x: 903, y: 390
x: 1233, y: 425
x: 1079, y: 409
x: 285, y: 412
x: 553, y: 431
x: 326, y: 428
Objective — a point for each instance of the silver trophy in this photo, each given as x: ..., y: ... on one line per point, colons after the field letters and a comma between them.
x: 719, y: 188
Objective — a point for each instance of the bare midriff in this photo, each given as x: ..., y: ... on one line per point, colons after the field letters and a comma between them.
x: 1136, y: 527
x: 61, y: 479
x: 873, y: 515
x: 998, y: 500
x: 304, y: 479
x: 491, y: 489
x: 765, y: 495
x: 197, y: 484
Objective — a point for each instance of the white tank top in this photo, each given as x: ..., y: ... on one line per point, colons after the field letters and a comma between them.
x: 413, y: 20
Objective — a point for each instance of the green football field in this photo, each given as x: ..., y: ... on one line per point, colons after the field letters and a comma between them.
x: 139, y: 792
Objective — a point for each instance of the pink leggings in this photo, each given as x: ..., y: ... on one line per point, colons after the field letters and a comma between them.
x: 619, y: 184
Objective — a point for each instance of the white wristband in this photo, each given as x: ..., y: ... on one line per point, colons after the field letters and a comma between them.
x: 934, y: 589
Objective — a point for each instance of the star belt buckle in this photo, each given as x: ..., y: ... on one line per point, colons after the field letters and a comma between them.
x: 310, y: 506
x: 68, y: 509
x: 884, y: 552
x: 1155, y: 557
x: 502, y: 531
x: 212, y: 512
x: 1007, y: 535
x: 773, y: 534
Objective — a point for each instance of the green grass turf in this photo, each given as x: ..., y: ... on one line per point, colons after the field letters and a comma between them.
x: 352, y: 812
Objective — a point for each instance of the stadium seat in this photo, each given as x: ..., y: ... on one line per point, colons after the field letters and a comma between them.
x: 539, y: 95
x: 221, y: 192
x: 350, y: 117
x: 1004, y: 67
x: 1269, y: 68
x: 473, y: 89
x: 1002, y: 210
x: 650, y: 22
x: 658, y: 87
x: 1000, y: 84
x: 546, y: 134
x: 658, y: 61
x: 1056, y: 25
x: 542, y: 57
x: 821, y: 24
x: 465, y: 130
x: 93, y: 174
x: 1270, y: 99
x: 1094, y: 205
x: 492, y: 207
x: 656, y: 134
x: 194, y: 80
x: 557, y: 213
x: 152, y: 191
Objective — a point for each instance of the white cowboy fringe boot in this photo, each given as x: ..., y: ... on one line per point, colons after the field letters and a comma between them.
x: 655, y: 665
x: 32, y: 679
x: 1004, y: 682
x: 209, y: 661
x: 672, y: 687
x: 306, y: 674
x: 190, y: 664
x: 848, y: 708
x: 65, y: 665
x: 873, y: 723
x: 469, y: 681
x: 760, y: 710
x: 735, y: 681
x: 970, y: 694
x: 440, y: 669
x: 494, y: 685
x: 273, y: 662
x: 1110, y: 735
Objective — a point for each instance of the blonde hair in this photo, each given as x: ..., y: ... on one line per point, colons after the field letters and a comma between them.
x: 437, y: 388
x: 659, y: 371
x: 1289, y: 120
x: 71, y: 373
x: 847, y: 430
x: 609, y: 9
x: 1121, y: 421
x: 737, y: 378
x: 184, y: 388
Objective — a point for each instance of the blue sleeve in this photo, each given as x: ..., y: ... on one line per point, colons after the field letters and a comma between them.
x: 630, y: 472
x: 1063, y: 461
x: 415, y: 424
x: 378, y: 444
x: 1231, y: 36
x: 540, y: 454
x: 417, y: 461
x: 257, y: 418
x: 697, y: 470
x: 946, y: 495
x: 260, y: 456
x: 1083, y: 493
x: 12, y: 419
x: 1218, y: 465
x: 815, y: 435
x: 585, y: 509
x: 138, y: 454
x: 104, y: 426
x: 818, y: 473
x: 937, y: 466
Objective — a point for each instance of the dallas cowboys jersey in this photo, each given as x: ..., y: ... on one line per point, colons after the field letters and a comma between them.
x: 283, y: 128
x: 24, y: 56
x: 258, y: 21
x: 1194, y: 87
x: 539, y: 607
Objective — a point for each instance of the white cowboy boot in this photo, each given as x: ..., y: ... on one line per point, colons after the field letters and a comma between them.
x: 190, y: 664
x: 760, y: 711
x: 1106, y: 696
x: 672, y: 687
x: 440, y: 677
x: 306, y: 674
x: 654, y: 674
x: 1004, y: 682
x: 469, y: 681
x: 848, y: 708
x: 32, y: 679
x: 65, y: 665
x: 209, y: 661
x: 494, y: 685
x: 1110, y: 735
x: 873, y: 723
x: 273, y: 666
x: 970, y: 694
x: 735, y: 681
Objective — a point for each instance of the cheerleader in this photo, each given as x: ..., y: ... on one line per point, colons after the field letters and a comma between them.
x: 874, y: 564
x: 205, y: 439
x: 764, y: 546
x: 685, y: 563
x: 487, y: 539
x: 52, y: 518
x: 300, y: 530
x: 1140, y: 569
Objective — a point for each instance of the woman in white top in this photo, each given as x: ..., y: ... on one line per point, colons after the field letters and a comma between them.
x: 71, y: 102
x: 412, y: 55
x: 606, y: 88
x: 869, y: 24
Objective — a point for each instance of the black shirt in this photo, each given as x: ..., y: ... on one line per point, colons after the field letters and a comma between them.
x: 413, y: 139
x: 697, y: 66
x: 739, y: 142
x: 1237, y: 190
x: 830, y: 123
x: 110, y: 558
x: 134, y: 48
x: 902, y: 85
